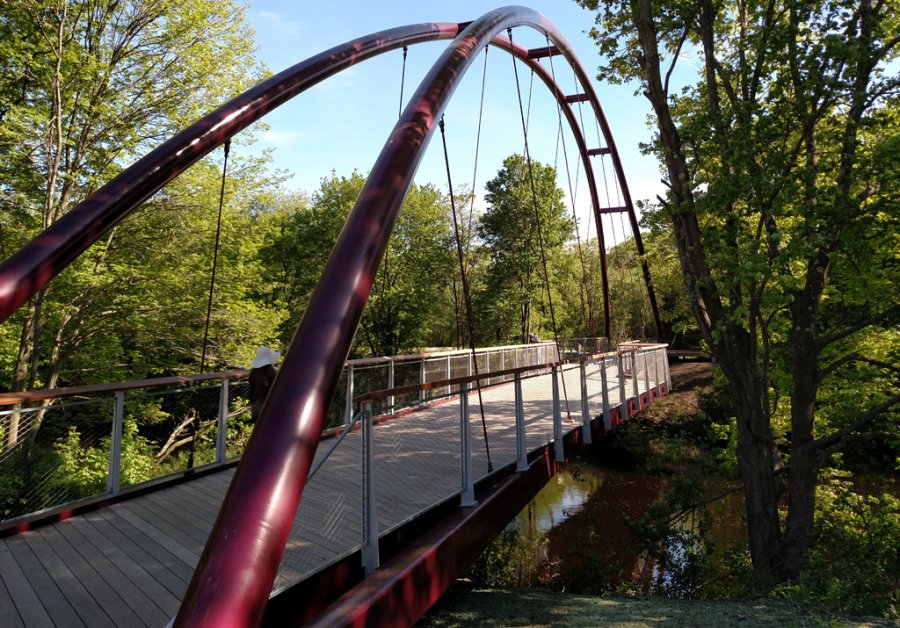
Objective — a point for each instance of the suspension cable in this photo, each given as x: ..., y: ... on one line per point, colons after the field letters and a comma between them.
x: 195, y: 426
x: 402, y: 80
x: 584, y: 274
x: 212, y: 279
x: 477, y: 148
x: 537, y: 216
x: 466, y: 295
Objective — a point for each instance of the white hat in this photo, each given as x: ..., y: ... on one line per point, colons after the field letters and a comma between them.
x: 264, y: 356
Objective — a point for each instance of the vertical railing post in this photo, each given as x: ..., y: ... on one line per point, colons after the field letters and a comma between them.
x: 558, y: 449
x: 370, y: 558
x: 656, y: 381
x: 516, y: 358
x: 604, y: 383
x: 521, y: 445
x: 487, y: 364
x: 448, y: 374
x: 623, y: 397
x: 668, y: 374
x: 422, y: 379
x: 467, y: 496
x: 113, y: 477
x: 503, y: 363
x: 634, y: 380
x: 390, y: 399
x: 646, y: 379
x: 348, y: 402
x: 585, y: 409
x: 222, y: 424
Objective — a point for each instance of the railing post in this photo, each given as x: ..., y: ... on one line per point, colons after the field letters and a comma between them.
x: 467, y: 496
x: 113, y: 478
x: 585, y: 409
x: 623, y: 398
x: 222, y: 427
x: 370, y: 558
x: 607, y: 415
x: 521, y: 451
x: 422, y: 378
x: 558, y: 449
x: 634, y: 380
x: 503, y: 363
x: 348, y: 403
x: 646, y: 379
x: 448, y: 374
x: 390, y: 400
x: 487, y: 365
x: 656, y: 381
x: 668, y: 372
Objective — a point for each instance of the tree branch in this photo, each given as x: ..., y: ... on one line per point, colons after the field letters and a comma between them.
x: 870, y: 415
x: 852, y: 357
x: 840, y: 335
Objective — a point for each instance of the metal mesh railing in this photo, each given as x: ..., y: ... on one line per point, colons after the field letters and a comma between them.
x: 59, y: 450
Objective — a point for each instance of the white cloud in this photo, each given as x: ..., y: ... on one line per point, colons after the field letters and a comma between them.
x: 281, y: 138
x: 278, y: 23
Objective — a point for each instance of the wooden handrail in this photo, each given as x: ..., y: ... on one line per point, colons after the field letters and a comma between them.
x: 402, y: 390
x: 74, y: 391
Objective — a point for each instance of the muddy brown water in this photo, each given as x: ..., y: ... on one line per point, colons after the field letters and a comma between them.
x: 573, y: 535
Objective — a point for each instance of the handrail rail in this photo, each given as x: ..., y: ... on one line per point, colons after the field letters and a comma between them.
x: 11, y: 398
x: 443, y: 383
x: 88, y: 389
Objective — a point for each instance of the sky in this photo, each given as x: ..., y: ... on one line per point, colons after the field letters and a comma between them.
x: 341, y: 125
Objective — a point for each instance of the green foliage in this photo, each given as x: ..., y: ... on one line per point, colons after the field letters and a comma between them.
x: 854, y: 567
x: 518, y: 222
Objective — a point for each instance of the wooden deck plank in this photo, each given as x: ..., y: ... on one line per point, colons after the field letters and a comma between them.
x: 25, y: 599
x: 120, y: 613
x: 176, y: 530
x: 186, y: 555
x: 158, y: 569
x: 82, y: 602
x: 114, y: 573
x: 179, y: 510
x: 154, y: 590
x: 9, y: 616
x: 158, y: 553
x: 47, y: 591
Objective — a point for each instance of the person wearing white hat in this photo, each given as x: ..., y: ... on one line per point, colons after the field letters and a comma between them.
x: 262, y: 374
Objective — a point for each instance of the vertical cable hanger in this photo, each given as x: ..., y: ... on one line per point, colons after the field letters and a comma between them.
x: 585, y: 276
x: 537, y: 216
x: 402, y: 80
x: 195, y: 431
x: 212, y: 279
x: 475, y: 166
x: 466, y: 295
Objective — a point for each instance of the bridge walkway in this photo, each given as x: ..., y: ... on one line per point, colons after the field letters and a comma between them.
x: 130, y: 563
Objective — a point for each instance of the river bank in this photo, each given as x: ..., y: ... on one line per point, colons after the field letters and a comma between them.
x: 467, y: 606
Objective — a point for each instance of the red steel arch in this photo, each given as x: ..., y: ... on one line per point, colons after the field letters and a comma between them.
x: 235, y: 574
x: 240, y: 561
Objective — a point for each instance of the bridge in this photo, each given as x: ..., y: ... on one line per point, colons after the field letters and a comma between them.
x: 406, y: 458
x: 402, y: 479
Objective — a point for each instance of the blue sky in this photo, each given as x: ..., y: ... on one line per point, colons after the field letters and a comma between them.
x: 342, y: 124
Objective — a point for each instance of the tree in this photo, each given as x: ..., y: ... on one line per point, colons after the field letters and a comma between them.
x: 407, y: 306
x: 510, y: 231
x: 783, y: 202
x: 86, y: 87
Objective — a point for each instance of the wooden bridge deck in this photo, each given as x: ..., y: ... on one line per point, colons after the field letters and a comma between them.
x: 129, y: 564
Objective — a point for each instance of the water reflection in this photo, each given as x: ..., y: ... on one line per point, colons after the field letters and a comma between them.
x: 573, y: 535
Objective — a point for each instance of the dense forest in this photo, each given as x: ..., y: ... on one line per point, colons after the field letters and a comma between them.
x: 776, y: 246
